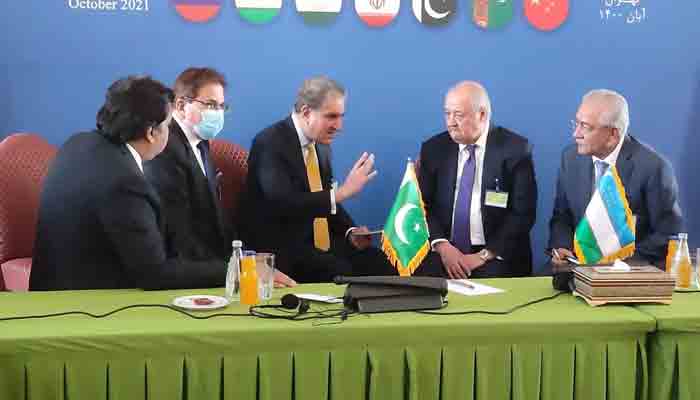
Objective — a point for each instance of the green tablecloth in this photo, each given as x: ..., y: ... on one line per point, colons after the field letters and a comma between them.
x: 557, y: 349
x: 674, y: 350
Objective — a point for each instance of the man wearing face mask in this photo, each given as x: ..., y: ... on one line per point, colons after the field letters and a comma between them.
x: 292, y: 207
x: 184, y: 173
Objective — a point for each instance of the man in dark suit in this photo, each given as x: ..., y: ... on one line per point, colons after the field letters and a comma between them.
x: 480, y: 194
x: 184, y: 174
x: 292, y: 208
x: 100, y: 222
x: 600, y: 131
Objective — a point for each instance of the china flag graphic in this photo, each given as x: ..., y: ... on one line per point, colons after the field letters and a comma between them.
x: 546, y: 15
x: 197, y: 10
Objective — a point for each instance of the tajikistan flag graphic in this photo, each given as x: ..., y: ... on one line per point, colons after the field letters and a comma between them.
x: 319, y: 12
x: 546, y: 15
x: 197, y: 10
x: 258, y: 11
x: 377, y: 13
x: 492, y: 14
x: 607, y: 231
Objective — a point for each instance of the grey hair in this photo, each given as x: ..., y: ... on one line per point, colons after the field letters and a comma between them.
x: 479, y: 97
x: 616, y: 114
x: 315, y: 91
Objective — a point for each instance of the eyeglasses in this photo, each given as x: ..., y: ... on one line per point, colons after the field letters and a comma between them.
x: 210, y: 105
x: 585, y: 126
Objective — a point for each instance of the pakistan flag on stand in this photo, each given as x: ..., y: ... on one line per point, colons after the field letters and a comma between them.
x: 405, y: 239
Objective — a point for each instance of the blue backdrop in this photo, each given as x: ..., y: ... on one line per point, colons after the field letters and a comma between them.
x: 58, y: 61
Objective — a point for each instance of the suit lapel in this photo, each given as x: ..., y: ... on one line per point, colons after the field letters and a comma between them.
x: 625, y: 161
x: 493, y: 158
x: 450, y: 169
x: 292, y: 150
x: 324, y: 163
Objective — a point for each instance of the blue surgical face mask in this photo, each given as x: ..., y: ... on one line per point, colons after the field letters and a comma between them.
x: 211, y: 124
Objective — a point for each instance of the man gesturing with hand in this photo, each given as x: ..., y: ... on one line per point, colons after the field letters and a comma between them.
x: 292, y: 206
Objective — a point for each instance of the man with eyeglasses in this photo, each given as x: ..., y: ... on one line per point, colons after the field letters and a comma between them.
x: 480, y: 193
x: 184, y: 173
x: 601, y: 140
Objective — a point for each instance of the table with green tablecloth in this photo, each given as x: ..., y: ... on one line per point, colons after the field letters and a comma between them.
x: 674, y: 349
x: 556, y: 349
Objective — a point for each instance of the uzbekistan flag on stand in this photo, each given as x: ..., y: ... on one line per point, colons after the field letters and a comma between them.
x: 405, y: 239
x: 607, y: 231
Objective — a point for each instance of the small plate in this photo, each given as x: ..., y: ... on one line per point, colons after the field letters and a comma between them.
x: 188, y: 302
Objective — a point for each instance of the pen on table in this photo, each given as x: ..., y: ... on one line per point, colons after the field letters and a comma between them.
x: 465, y: 284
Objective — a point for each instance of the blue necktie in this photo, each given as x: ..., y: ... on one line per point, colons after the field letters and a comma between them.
x: 600, y: 168
x: 461, y: 235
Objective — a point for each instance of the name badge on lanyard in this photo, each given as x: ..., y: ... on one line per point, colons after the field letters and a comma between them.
x: 496, y: 198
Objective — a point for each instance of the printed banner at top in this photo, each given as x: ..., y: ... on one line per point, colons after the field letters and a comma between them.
x: 377, y: 13
x: 319, y: 12
x: 197, y: 10
x: 258, y: 11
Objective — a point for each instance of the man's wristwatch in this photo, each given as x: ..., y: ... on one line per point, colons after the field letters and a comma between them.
x: 485, y: 255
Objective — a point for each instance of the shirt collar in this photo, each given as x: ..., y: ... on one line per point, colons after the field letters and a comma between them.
x: 192, y: 138
x: 136, y: 155
x: 303, y: 140
x: 481, y: 141
x: 611, y: 159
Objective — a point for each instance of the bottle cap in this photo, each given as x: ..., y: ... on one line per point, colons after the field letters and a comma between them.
x: 237, y: 243
x: 683, y: 236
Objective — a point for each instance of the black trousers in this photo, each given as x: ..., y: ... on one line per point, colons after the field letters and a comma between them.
x: 312, y: 265
x: 432, y: 266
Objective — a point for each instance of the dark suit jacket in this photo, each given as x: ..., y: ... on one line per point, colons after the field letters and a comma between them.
x: 508, y: 158
x: 190, y: 202
x: 652, y: 193
x: 100, y: 226
x: 279, y: 207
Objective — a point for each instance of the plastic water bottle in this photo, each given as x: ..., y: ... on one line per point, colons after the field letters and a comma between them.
x: 680, y: 268
x: 233, y: 274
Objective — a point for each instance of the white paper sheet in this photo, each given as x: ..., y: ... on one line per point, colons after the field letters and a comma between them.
x: 470, y: 288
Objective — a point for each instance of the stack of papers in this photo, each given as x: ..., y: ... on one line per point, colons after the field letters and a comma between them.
x: 470, y: 288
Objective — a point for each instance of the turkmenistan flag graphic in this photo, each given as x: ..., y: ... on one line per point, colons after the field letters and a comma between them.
x: 405, y: 239
x: 258, y: 11
x: 197, y: 10
x: 319, y: 12
x: 546, y: 15
x: 607, y: 231
x: 492, y: 14
x: 433, y: 12
x: 377, y: 12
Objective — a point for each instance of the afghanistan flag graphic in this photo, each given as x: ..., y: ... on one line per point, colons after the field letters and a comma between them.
x: 319, y: 12
x: 405, y: 239
x: 197, y: 10
x: 492, y: 14
x: 377, y: 13
x: 433, y: 12
x: 258, y: 11
x: 546, y: 15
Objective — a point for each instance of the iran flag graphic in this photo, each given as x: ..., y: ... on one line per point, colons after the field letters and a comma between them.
x: 492, y: 14
x: 319, y: 12
x: 258, y: 11
x: 197, y: 10
x: 377, y: 13
x: 546, y: 15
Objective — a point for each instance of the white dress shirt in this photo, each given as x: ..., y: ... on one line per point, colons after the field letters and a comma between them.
x: 611, y: 159
x: 193, y: 140
x: 476, y: 224
x: 136, y: 155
